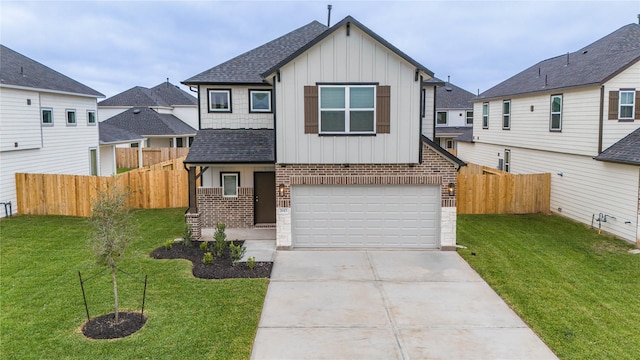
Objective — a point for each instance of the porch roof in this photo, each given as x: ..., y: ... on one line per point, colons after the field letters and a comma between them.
x: 232, y: 146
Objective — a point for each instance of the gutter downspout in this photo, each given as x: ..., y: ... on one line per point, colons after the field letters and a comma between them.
x: 601, y: 120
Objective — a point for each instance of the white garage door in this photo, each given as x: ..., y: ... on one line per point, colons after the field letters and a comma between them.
x: 355, y: 216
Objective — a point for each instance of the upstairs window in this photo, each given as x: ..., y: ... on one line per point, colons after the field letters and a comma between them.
x: 485, y: 115
x: 626, y: 105
x: 71, y: 117
x: 219, y: 100
x: 347, y: 109
x: 230, y: 183
x: 260, y: 101
x: 506, y: 114
x: 469, y: 117
x: 555, y: 117
x: 91, y: 117
x: 47, y: 117
x: 441, y: 118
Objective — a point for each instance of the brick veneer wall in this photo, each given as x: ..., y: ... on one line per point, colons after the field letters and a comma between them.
x: 235, y: 212
x: 434, y: 170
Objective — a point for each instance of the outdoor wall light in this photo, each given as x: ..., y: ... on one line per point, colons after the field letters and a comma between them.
x: 281, y: 189
x: 452, y: 189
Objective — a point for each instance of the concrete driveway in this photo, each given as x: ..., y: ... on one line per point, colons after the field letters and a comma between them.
x: 387, y: 305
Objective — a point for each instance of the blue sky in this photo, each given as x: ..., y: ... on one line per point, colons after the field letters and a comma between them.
x: 112, y: 46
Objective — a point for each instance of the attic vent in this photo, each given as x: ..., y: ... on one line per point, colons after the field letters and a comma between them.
x: 448, y: 89
x: 584, y: 52
x: 136, y: 111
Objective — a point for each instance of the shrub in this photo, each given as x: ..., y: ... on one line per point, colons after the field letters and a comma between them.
x: 168, y: 244
x: 208, y: 258
x: 204, y: 246
x: 220, y: 244
x: 251, y: 262
x: 237, y: 252
x: 187, y: 234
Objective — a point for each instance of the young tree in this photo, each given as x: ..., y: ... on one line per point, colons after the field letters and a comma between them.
x: 112, y: 231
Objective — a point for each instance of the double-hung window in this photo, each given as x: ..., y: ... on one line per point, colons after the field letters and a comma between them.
x: 469, y: 117
x: 506, y: 114
x: 91, y: 117
x: 626, y: 106
x: 219, y: 100
x: 555, y: 117
x: 47, y: 117
x: 347, y: 109
x: 230, y: 183
x: 71, y: 117
x: 441, y: 118
x: 485, y: 115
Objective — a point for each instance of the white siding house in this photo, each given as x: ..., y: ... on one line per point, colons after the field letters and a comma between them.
x: 49, y: 123
x: 576, y: 116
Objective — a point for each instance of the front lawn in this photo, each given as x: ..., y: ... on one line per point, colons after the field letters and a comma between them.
x: 41, y: 306
x: 579, y: 291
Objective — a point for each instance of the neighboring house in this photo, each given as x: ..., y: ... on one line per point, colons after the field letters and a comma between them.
x: 110, y: 137
x: 319, y: 133
x: 160, y: 130
x: 164, y: 98
x: 48, y: 123
x: 577, y: 117
x: 454, y: 115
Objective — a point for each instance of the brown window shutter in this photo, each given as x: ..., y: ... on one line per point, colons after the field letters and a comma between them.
x: 613, y: 105
x: 383, y: 110
x: 310, y: 109
x: 637, y: 104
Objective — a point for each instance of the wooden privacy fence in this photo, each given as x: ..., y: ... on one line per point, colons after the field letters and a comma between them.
x: 482, y: 190
x: 128, y: 157
x: 163, y: 185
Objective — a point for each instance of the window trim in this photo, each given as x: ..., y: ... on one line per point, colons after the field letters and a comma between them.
x: 94, y: 162
x: 221, y: 110
x: 551, y: 113
x: 75, y: 117
x: 423, y: 99
x: 446, y: 118
x: 347, y: 109
x: 230, y: 173
x: 506, y: 116
x: 42, y: 110
x: 485, y: 115
x: 506, y: 165
x: 262, y: 111
x: 467, y: 117
x: 95, y: 120
x: 633, y: 104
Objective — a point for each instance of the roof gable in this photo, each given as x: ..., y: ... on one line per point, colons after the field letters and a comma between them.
x: 348, y: 22
x: 452, y: 97
x: 246, y: 68
x: 147, y: 122
x: 164, y: 94
x: 19, y: 70
x: 594, y: 64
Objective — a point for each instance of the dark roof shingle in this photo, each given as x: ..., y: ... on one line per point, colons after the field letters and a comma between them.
x: 213, y: 146
x: 147, y: 122
x: 19, y: 70
x: 110, y: 134
x: 164, y: 94
x: 592, y: 65
x: 625, y: 151
x: 452, y: 97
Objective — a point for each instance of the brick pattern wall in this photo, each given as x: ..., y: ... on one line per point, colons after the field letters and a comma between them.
x: 193, y: 219
x: 433, y: 170
x: 235, y: 212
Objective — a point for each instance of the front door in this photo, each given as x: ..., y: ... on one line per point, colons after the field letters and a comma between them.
x: 264, y: 197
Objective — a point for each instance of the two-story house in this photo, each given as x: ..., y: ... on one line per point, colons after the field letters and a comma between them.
x: 48, y: 123
x: 576, y: 116
x: 165, y: 115
x: 319, y: 133
x: 454, y: 115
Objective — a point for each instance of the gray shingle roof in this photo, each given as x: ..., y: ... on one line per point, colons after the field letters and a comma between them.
x: 454, y: 159
x: 592, y: 65
x: 625, y: 151
x: 147, y: 122
x: 19, y: 70
x: 246, y: 68
x: 214, y: 146
x: 452, y: 97
x: 465, y: 137
x: 448, y: 131
x: 110, y: 134
x: 164, y: 94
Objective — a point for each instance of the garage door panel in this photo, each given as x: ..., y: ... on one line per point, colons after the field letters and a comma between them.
x: 391, y: 216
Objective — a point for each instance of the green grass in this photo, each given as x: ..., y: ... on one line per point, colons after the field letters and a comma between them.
x: 41, y: 306
x: 123, y: 170
x: 579, y: 291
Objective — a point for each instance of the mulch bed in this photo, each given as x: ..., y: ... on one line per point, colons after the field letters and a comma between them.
x: 105, y: 327
x: 220, y: 268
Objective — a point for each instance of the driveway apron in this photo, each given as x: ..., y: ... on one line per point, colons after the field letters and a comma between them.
x: 369, y: 304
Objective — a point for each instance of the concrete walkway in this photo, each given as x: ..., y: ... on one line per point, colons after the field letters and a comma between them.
x: 387, y: 305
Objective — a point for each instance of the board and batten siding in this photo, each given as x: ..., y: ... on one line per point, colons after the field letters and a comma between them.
x: 428, y: 119
x: 356, y: 58
x: 239, y: 117
x: 211, y: 177
x: 65, y: 149
x: 614, y: 130
x: 586, y: 187
x: 20, y: 128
